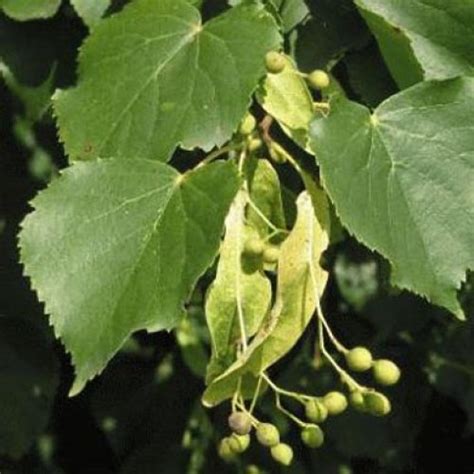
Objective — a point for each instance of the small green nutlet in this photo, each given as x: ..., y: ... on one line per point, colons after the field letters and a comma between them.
x: 271, y: 254
x: 254, y: 144
x: 248, y: 124
x: 225, y: 451
x: 335, y: 402
x: 359, y: 359
x: 316, y: 411
x: 386, y: 372
x: 268, y: 434
x: 239, y: 444
x: 356, y: 399
x: 377, y: 404
x: 240, y: 423
x: 277, y: 153
x: 282, y: 453
x: 275, y: 62
x: 253, y: 469
x: 254, y: 247
x: 312, y: 436
x: 318, y: 79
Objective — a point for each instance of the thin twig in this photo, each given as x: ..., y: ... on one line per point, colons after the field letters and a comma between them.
x: 217, y: 153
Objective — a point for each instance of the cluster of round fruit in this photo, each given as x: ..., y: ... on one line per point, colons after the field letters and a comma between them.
x: 275, y: 63
x: 267, y: 435
x: 364, y: 399
x: 384, y: 371
x: 256, y: 249
x: 253, y: 142
x: 317, y: 409
x: 247, y: 129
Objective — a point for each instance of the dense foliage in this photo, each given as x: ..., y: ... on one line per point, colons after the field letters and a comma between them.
x: 236, y: 236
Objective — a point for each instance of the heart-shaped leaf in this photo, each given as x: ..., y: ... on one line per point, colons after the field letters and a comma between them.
x: 152, y: 77
x: 401, y: 180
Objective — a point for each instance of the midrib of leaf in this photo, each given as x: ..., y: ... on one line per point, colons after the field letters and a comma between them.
x: 238, y: 288
x: 240, y: 199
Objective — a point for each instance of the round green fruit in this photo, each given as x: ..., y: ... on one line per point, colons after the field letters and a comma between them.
x: 377, y: 404
x: 316, y: 411
x: 254, y: 247
x: 386, y: 372
x: 271, y: 254
x: 254, y: 144
x: 359, y: 359
x: 225, y: 451
x: 275, y: 62
x: 335, y: 402
x: 356, y: 399
x: 318, y: 79
x: 282, y: 453
x: 253, y: 469
x: 240, y: 423
x: 248, y: 124
x: 238, y: 444
x: 277, y: 153
x: 312, y: 436
x: 268, y: 434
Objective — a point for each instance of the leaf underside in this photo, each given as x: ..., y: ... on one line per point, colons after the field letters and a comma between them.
x: 423, y: 38
x: 401, y: 181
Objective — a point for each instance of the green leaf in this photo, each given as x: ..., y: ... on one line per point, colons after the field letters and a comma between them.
x: 91, y: 11
x: 116, y: 246
x: 291, y: 12
x: 397, y: 52
x: 423, y: 38
x: 286, y: 97
x: 191, y: 84
x: 23, y: 10
x: 296, y: 299
x: 401, y: 181
x: 29, y: 378
x: 235, y: 290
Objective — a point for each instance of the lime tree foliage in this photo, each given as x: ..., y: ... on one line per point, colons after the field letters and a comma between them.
x: 240, y: 174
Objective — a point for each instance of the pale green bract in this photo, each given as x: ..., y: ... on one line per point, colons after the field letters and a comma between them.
x: 286, y: 97
x: 423, y: 38
x: 402, y: 179
x: 115, y: 246
x: 234, y: 291
x: 24, y: 10
x: 90, y: 11
x: 152, y: 77
x: 301, y: 283
x: 265, y: 193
